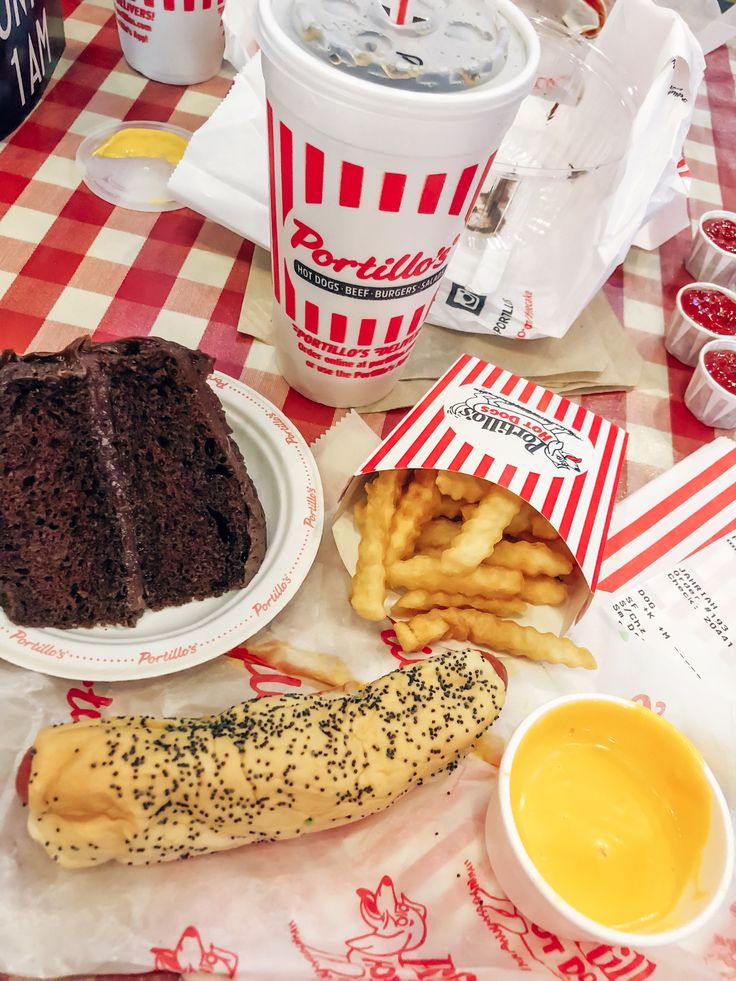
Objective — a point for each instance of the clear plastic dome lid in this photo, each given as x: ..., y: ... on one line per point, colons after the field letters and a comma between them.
x: 449, y: 46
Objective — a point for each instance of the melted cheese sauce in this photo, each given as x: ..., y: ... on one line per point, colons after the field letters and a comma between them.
x: 141, y: 142
x: 613, y: 807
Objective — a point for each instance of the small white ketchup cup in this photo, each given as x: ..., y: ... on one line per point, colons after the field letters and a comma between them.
x: 684, y: 335
x: 711, y: 394
x: 708, y: 260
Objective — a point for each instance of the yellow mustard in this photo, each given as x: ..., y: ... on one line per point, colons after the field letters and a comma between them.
x: 141, y: 142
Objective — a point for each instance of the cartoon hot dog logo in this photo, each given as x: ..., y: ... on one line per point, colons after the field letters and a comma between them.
x: 543, y: 438
x: 405, y: 275
x: 396, y: 929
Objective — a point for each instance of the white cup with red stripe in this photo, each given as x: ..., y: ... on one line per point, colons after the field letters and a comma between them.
x: 373, y: 176
x: 180, y: 42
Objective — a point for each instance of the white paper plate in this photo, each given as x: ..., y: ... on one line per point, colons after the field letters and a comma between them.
x: 285, y: 475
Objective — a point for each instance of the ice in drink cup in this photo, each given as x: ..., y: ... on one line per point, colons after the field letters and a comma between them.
x: 380, y: 137
x: 180, y: 42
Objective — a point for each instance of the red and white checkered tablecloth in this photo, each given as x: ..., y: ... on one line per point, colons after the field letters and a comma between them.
x: 71, y: 264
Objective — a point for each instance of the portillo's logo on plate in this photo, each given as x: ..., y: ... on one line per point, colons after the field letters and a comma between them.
x: 552, y: 445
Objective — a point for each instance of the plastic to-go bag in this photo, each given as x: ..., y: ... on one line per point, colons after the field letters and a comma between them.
x: 576, y: 177
x: 591, y: 157
x: 31, y: 43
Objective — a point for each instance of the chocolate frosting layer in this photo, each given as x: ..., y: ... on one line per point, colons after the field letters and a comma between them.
x: 164, y: 366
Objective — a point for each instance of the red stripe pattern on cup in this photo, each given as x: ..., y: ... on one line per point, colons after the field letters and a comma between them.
x: 274, y: 213
x: 351, y: 185
x: 672, y: 517
x: 459, y: 191
x: 187, y: 6
x: 314, y: 174
x: 319, y: 293
x: 392, y: 192
x: 578, y: 504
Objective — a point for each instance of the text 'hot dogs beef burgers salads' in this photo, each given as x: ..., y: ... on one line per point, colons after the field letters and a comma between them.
x: 121, y: 488
x: 144, y: 790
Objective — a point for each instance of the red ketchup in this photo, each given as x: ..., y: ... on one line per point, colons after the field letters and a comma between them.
x: 23, y: 776
x: 721, y: 366
x: 722, y: 231
x: 710, y: 309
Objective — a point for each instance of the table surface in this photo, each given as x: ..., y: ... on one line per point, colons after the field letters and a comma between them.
x: 73, y: 265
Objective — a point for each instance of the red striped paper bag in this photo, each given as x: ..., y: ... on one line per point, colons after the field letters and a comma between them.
x: 672, y: 517
x: 482, y: 420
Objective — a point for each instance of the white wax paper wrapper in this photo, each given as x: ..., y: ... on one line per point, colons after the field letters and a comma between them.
x: 407, y: 894
x: 238, y: 17
x: 505, y: 274
x: 224, y: 172
x: 530, y: 231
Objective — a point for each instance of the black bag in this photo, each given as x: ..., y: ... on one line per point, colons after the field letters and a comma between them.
x: 31, y: 43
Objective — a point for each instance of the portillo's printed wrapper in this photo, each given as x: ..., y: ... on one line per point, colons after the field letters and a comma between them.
x: 482, y: 420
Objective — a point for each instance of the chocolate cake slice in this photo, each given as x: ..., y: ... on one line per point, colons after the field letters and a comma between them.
x: 198, y: 523
x: 120, y: 486
x: 67, y: 558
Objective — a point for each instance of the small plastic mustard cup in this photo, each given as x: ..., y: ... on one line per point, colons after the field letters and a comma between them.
x: 530, y: 891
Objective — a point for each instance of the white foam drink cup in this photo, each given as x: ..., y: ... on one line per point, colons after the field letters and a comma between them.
x: 371, y: 182
x: 180, y: 42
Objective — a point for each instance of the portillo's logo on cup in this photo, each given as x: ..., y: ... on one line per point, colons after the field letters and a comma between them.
x: 544, y: 438
x: 399, y: 273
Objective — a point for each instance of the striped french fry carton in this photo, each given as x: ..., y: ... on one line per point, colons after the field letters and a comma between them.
x: 484, y: 421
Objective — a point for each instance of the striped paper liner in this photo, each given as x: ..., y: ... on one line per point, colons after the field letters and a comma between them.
x: 467, y: 417
x: 672, y: 517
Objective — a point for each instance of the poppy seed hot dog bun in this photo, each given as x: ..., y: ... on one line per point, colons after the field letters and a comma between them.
x: 143, y: 790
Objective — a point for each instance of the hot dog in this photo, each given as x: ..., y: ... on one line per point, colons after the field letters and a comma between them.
x: 142, y: 790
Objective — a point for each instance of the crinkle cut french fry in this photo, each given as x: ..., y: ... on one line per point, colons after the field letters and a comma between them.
x: 359, y: 514
x: 423, y: 572
x: 481, y: 532
x: 543, y: 591
x: 541, y: 528
x: 421, y: 600
x: 369, y: 582
x: 416, y: 507
x: 447, y: 508
x: 521, y: 521
x: 530, y: 558
x: 491, y: 631
x: 462, y: 486
x: 437, y: 534
x: 530, y: 561
x: 557, y: 545
x: 421, y: 630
